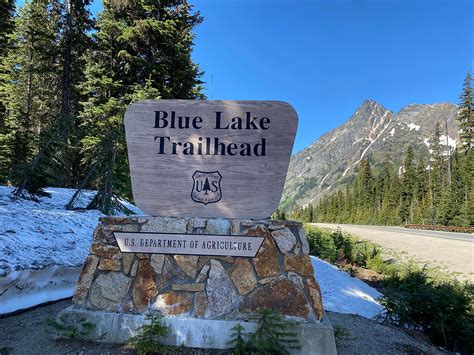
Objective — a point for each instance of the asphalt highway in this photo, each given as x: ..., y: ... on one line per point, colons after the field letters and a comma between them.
x: 453, y: 252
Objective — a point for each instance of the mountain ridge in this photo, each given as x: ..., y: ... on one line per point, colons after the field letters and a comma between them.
x: 372, y: 131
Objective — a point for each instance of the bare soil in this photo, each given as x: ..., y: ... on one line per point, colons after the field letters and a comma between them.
x: 29, y: 333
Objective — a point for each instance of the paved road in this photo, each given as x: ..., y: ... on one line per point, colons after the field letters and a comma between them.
x: 453, y: 252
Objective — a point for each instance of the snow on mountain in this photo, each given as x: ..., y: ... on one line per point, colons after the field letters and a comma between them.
x: 42, y: 247
x: 371, y: 132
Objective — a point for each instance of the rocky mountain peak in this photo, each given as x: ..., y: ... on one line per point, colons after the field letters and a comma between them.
x: 331, y: 162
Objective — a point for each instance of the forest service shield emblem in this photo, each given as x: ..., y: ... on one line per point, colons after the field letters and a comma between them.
x: 206, y: 187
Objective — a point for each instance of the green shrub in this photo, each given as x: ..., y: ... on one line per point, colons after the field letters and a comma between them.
x: 272, y: 336
x: 321, y: 244
x: 148, y: 342
x: 338, y: 247
x: 443, y: 310
x: 238, y: 340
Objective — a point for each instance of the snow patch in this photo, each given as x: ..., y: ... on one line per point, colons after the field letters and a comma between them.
x: 371, y: 142
x: 345, y: 294
x: 322, y: 181
x: 42, y: 246
x: 358, y: 140
x: 413, y: 126
x: 447, y: 140
x: 427, y: 142
x: 392, y: 132
x: 27, y: 288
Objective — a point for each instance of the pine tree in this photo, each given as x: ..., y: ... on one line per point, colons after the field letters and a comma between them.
x: 408, y: 184
x: 29, y: 74
x: 7, y: 8
x: 50, y: 162
x: 466, y: 115
x: 143, y: 51
x: 420, y: 193
x: 436, y: 172
x: 365, y: 191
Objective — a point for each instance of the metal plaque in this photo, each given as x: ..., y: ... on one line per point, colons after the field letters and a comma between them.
x: 188, y: 244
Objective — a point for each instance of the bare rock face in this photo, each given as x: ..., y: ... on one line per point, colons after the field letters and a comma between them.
x: 285, y: 240
x: 165, y: 225
x: 296, y: 279
x: 187, y: 263
x: 243, y: 276
x: 109, y: 291
x: 266, y: 260
x: 221, y: 293
x: 200, y: 304
x: 127, y: 262
x: 85, y: 279
x: 170, y: 272
x: 105, y: 251
x: 145, y: 286
x: 312, y: 287
x: 218, y: 226
x: 280, y: 295
x: 110, y: 264
x: 174, y: 303
x: 301, y: 264
x: 156, y: 262
x: 196, y: 287
x: 304, y: 241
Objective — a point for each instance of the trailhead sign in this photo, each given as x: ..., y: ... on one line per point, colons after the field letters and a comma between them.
x: 209, y: 158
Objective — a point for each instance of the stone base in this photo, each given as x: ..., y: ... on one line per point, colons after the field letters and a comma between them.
x: 200, y: 297
x: 279, y: 277
x: 111, y: 327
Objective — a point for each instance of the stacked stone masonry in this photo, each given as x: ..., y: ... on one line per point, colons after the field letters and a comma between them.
x: 279, y: 277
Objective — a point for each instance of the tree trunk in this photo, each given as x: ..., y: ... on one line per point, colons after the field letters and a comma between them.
x: 449, y: 151
x: 64, y: 115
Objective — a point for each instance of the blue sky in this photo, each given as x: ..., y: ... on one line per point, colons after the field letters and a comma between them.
x: 326, y: 57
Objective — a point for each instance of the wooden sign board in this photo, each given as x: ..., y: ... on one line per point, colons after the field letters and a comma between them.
x: 209, y: 158
x: 188, y: 244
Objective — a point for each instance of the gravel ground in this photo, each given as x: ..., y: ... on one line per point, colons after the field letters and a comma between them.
x: 27, y: 333
x: 359, y: 335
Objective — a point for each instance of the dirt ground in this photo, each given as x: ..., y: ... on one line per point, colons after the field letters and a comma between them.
x: 28, y: 333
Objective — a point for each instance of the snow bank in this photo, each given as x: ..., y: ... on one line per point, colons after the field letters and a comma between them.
x: 345, y: 294
x: 42, y: 247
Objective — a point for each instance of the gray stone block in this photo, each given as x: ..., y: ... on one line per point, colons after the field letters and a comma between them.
x: 111, y: 327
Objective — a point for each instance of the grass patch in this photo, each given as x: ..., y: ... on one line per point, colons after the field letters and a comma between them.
x: 415, y: 297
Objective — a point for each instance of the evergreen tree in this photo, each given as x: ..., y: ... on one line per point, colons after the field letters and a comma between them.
x: 7, y: 8
x: 143, y: 51
x: 51, y: 159
x: 436, y: 173
x: 466, y: 115
x: 29, y: 77
x: 408, y: 184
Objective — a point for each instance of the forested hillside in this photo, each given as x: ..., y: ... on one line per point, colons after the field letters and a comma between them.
x: 438, y: 189
x: 66, y: 79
